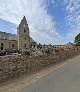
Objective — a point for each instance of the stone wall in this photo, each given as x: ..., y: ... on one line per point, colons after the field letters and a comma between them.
x: 8, y: 44
x: 8, y: 36
x: 13, y: 44
x: 5, y: 43
x: 15, y: 66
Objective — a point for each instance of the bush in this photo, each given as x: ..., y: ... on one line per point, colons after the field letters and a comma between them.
x: 25, y: 52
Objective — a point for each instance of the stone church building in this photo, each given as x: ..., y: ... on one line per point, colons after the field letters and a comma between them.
x: 22, y: 40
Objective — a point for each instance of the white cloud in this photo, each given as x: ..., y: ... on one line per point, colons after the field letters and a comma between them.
x: 73, y: 18
x: 42, y: 25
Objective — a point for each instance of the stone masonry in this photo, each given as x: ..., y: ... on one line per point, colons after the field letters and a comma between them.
x: 23, y: 35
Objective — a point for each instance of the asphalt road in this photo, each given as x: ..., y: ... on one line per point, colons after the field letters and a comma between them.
x: 64, y: 79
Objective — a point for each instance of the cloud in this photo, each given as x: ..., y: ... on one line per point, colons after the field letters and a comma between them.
x: 73, y: 18
x: 42, y: 25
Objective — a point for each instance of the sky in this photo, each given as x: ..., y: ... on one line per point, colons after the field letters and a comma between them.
x: 50, y: 21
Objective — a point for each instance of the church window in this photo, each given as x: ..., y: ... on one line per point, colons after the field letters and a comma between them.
x: 12, y: 45
x: 24, y: 45
x: 24, y: 31
x: 2, y: 44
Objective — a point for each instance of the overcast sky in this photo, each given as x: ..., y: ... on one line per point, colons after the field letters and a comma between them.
x: 50, y: 21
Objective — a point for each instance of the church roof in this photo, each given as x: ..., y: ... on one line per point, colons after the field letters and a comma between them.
x: 31, y: 40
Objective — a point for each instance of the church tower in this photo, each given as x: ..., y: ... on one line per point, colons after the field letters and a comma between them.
x: 23, y: 35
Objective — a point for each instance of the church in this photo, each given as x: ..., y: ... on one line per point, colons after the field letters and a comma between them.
x: 20, y: 41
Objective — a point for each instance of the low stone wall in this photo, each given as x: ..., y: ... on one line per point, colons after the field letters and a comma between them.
x: 14, y: 66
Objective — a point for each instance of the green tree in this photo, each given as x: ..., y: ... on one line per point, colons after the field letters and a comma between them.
x: 39, y: 46
x: 77, y: 40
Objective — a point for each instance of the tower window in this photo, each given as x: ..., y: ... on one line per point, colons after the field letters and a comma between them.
x: 24, y: 31
x: 2, y: 44
x: 12, y: 45
x: 24, y: 45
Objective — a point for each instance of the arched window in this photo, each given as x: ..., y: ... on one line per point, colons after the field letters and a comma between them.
x: 24, y: 31
x: 2, y: 44
x: 25, y: 45
x: 12, y: 45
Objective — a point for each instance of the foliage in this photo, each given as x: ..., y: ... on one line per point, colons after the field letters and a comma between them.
x: 77, y: 40
x: 39, y: 46
x: 25, y: 52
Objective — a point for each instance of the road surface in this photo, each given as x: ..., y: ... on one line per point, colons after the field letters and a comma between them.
x: 64, y: 79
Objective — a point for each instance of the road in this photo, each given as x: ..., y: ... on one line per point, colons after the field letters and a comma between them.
x: 64, y: 79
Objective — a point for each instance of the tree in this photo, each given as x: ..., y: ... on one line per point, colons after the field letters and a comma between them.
x: 77, y: 40
x: 39, y: 46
